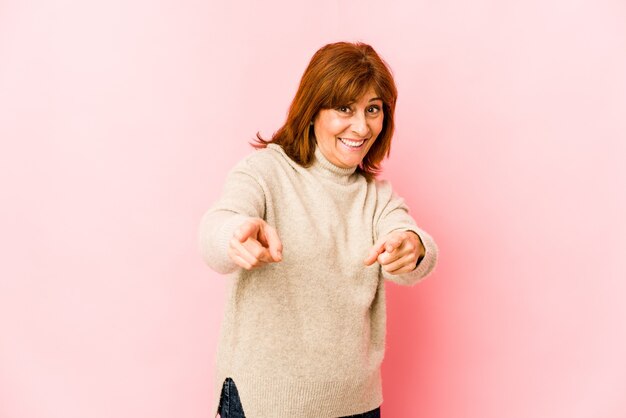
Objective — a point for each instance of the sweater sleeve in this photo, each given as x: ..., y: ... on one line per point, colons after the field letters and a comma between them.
x: 242, y: 198
x: 393, y: 215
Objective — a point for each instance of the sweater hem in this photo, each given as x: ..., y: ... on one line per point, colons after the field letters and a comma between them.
x: 286, y: 396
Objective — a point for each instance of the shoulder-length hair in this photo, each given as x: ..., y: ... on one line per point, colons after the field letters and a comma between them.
x: 338, y: 74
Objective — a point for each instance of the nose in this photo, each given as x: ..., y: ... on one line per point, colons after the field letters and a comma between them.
x: 359, y: 125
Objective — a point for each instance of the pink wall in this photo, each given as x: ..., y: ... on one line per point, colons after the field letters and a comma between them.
x: 120, y: 119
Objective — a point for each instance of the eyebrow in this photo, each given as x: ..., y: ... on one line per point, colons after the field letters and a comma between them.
x: 376, y: 98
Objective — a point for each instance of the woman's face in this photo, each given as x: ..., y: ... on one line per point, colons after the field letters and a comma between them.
x: 345, y: 134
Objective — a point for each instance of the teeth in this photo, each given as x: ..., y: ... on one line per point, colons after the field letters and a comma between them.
x: 354, y: 144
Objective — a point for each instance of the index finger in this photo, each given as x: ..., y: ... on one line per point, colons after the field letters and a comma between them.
x: 375, y: 251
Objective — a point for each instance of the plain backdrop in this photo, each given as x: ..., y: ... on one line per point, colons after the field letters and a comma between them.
x: 120, y: 119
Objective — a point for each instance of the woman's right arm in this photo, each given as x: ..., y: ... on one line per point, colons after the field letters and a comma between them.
x: 242, y: 203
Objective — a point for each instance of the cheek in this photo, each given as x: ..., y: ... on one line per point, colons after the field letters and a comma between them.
x: 377, y: 126
x: 333, y: 125
x: 336, y: 126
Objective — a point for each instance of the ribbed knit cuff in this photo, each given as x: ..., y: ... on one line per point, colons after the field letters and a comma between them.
x: 215, y: 235
x: 427, y: 265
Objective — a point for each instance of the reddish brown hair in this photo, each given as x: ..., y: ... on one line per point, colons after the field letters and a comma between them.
x: 337, y: 75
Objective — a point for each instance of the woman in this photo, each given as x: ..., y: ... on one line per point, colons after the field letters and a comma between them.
x: 308, y: 236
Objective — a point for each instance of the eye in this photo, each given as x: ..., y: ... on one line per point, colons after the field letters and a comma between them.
x: 344, y: 109
x: 373, y: 110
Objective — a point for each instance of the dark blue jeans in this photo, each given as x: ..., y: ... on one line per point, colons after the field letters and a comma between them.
x: 230, y: 404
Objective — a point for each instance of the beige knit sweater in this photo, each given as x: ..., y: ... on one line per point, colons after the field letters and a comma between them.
x: 305, y: 337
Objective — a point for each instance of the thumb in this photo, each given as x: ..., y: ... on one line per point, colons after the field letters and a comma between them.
x: 274, y: 243
x: 269, y: 238
x: 247, y: 230
x: 375, y: 251
x: 393, y: 243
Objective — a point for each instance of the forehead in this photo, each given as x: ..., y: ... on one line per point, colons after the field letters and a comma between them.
x: 367, y: 97
x: 351, y: 95
x: 370, y: 94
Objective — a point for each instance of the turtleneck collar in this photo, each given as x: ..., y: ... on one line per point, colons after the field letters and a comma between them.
x: 321, y: 164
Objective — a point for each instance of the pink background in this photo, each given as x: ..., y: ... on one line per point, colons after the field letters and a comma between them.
x: 120, y: 119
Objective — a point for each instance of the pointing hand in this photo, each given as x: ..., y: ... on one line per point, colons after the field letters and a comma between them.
x: 254, y: 244
x: 397, y: 252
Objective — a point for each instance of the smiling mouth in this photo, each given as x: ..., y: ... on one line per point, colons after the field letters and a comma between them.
x: 351, y: 143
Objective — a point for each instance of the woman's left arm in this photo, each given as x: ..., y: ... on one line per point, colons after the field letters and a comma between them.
x: 405, y: 252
